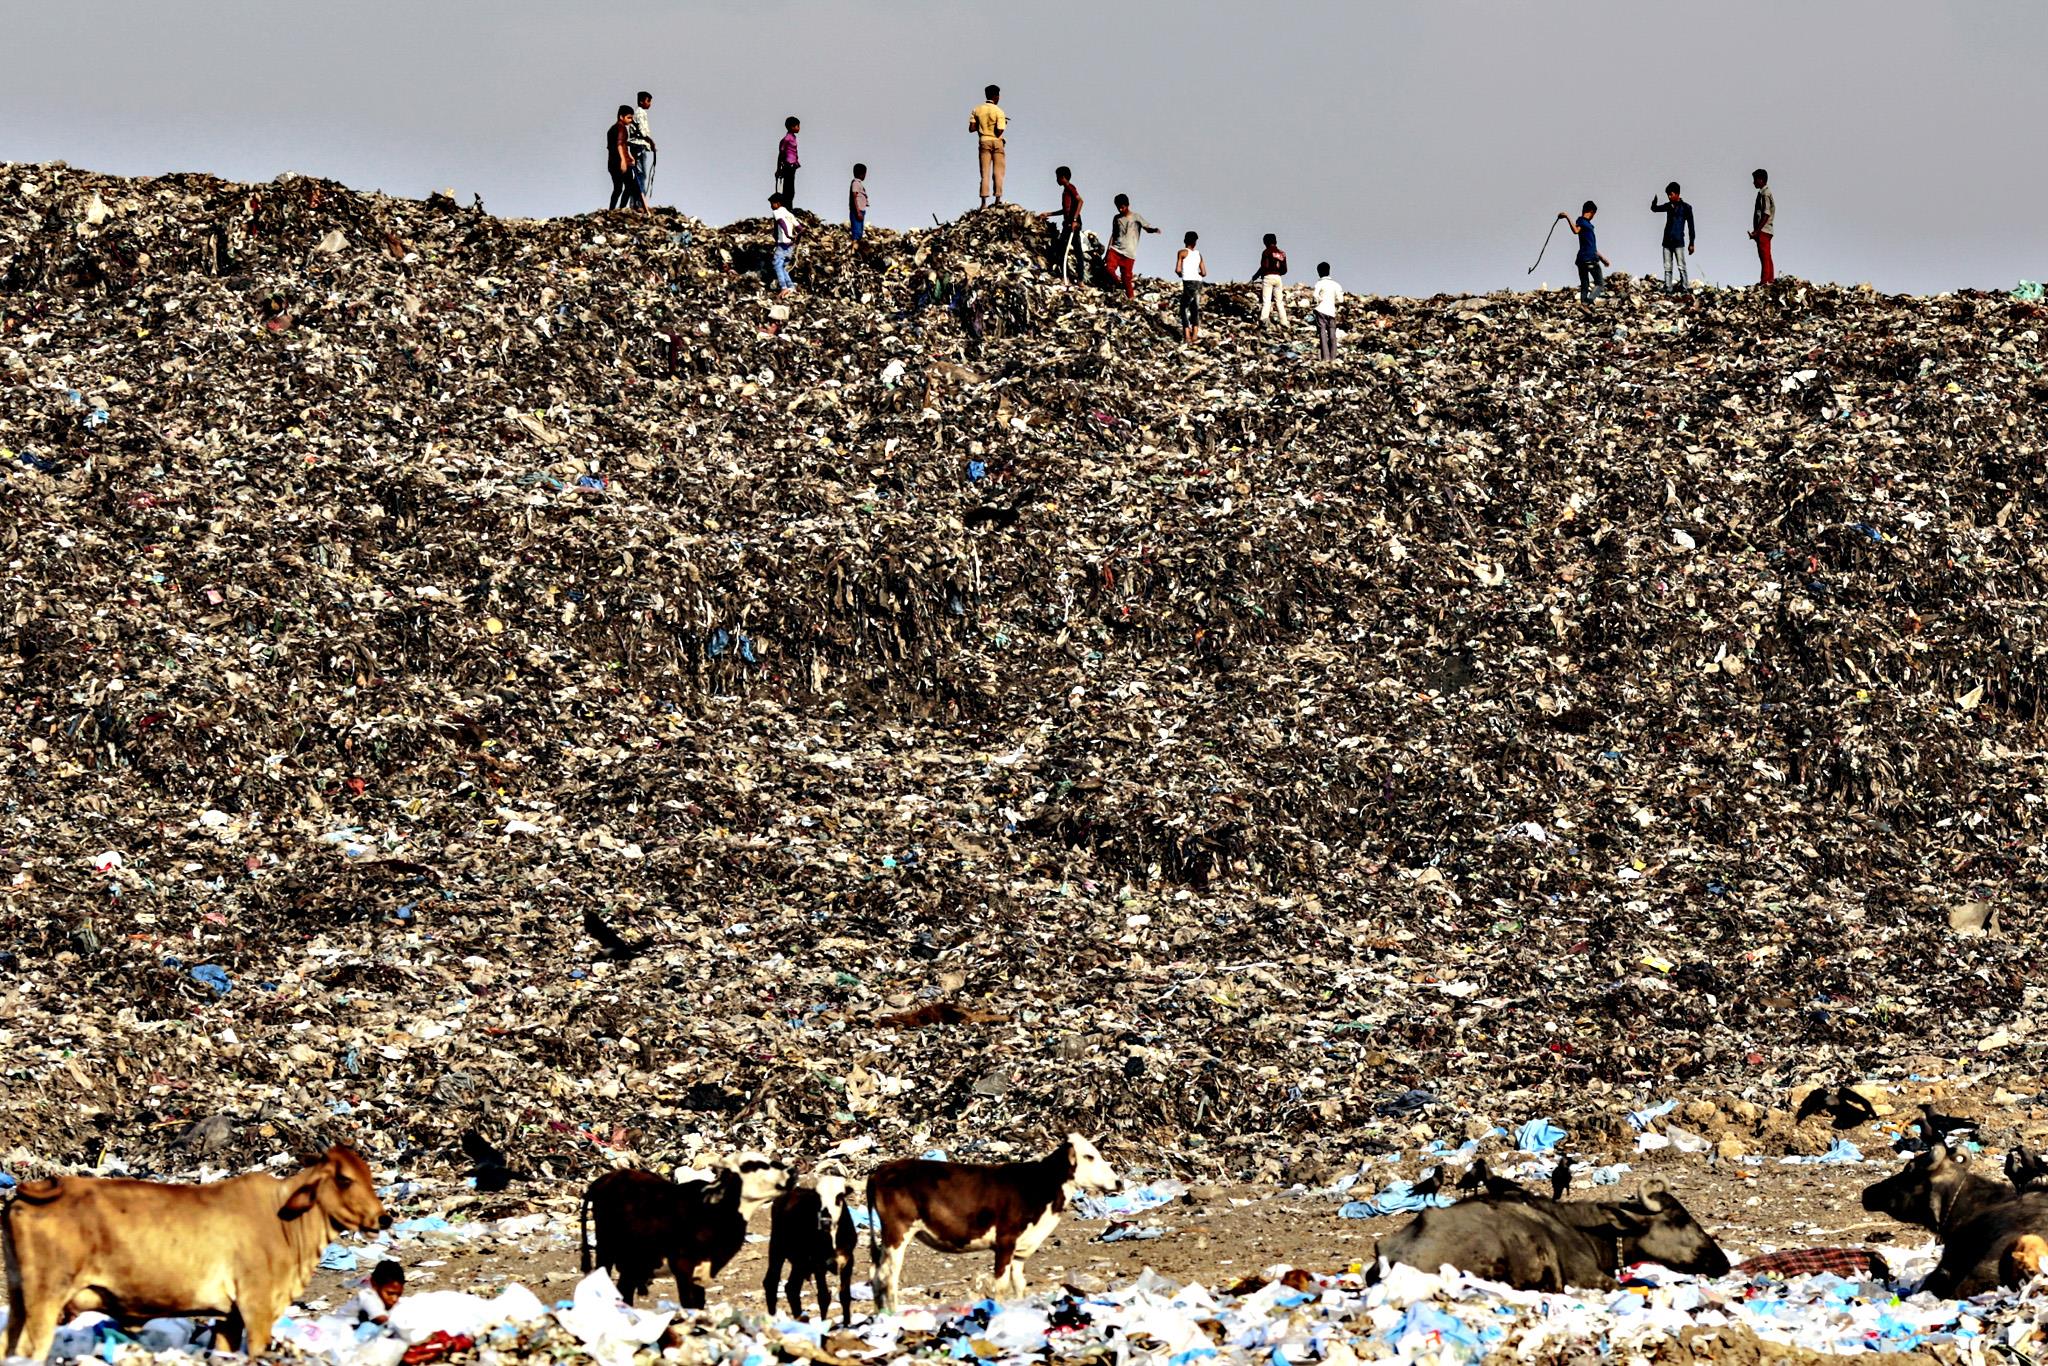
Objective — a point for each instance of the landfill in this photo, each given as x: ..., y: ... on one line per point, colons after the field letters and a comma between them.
x: 488, y: 686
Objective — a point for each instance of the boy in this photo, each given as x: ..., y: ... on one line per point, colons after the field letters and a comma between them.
x: 1272, y: 278
x: 1764, y: 223
x: 619, y: 161
x: 642, y: 139
x: 387, y: 1286
x: 1680, y: 235
x: 1192, y: 270
x: 1122, y: 259
x: 1069, y: 213
x: 1592, y: 285
x: 786, y: 161
x: 990, y: 125
x: 786, y: 231
x: 1327, y: 294
x: 857, y: 201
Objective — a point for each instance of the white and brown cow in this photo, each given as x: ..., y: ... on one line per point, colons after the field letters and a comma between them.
x: 140, y: 1250
x: 1007, y: 1207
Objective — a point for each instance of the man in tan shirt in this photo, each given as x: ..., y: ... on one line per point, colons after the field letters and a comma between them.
x: 989, y: 123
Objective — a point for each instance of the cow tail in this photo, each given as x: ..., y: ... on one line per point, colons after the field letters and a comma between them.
x: 874, y: 1236
x: 584, y: 1240
x: 16, y: 1307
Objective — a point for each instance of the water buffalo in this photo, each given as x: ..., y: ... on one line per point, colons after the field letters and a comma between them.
x: 1537, y: 1244
x: 1983, y: 1223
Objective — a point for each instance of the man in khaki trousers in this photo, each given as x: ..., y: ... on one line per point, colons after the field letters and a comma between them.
x: 989, y: 123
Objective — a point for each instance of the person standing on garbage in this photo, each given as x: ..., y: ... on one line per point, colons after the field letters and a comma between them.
x: 1272, y: 278
x: 1326, y: 295
x: 1591, y: 284
x: 857, y: 202
x: 1681, y: 235
x: 990, y: 125
x: 786, y: 161
x: 1069, y: 213
x: 1763, y: 223
x: 618, y: 151
x: 787, y: 230
x: 641, y: 139
x: 1121, y: 261
x: 1192, y: 270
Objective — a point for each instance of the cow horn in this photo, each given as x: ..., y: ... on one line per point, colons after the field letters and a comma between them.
x: 1652, y: 1193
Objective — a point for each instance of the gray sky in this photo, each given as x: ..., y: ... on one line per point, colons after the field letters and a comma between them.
x: 1419, y: 145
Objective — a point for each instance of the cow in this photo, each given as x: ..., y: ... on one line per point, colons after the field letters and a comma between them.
x: 1938, y: 1190
x: 812, y: 1230
x: 1983, y: 1223
x: 1537, y: 1244
x: 138, y: 1250
x: 643, y: 1220
x: 1010, y: 1207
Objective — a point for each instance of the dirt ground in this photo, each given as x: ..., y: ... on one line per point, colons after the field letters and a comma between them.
x: 1216, y: 1235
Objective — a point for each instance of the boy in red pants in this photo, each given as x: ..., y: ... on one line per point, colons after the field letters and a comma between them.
x: 1121, y: 261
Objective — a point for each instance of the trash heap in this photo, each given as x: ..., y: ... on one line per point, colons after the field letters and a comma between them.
x: 1285, y: 1314
x: 475, y: 676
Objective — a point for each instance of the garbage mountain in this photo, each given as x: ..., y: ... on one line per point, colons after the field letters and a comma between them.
x: 521, y: 680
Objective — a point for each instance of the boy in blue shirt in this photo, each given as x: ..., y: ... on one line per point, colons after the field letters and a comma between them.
x: 1592, y: 285
x: 1680, y: 235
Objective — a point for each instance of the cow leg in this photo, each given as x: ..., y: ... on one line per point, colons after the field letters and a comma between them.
x: 795, y: 1291
x: 37, y: 1299
x: 846, y: 1292
x: 32, y: 1337
x: 824, y: 1293
x: 768, y: 1281
x: 1009, y: 1278
x: 689, y: 1294
x: 227, y: 1332
x: 259, y: 1318
x: 889, y: 1273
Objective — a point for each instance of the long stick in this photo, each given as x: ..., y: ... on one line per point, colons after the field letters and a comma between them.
x: 1546, y: 245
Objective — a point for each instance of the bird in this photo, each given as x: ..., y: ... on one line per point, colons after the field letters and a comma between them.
x: 1475, y: 1176
x: 1429, y: 1182
x: 493, y: 1172
x: 1936, y: 1128
x: 615, y: 945
x: 1560, y: 1178
x: 1845, y: 1107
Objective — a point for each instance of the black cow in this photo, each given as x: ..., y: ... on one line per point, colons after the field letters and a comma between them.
x: 643, y: 1220
x: 812, y: 1230
x: 1538, y: 1244
x: 1982, y: 1222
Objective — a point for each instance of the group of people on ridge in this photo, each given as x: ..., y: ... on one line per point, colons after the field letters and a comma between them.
x: 630, y: 157
x: 1681, y: 238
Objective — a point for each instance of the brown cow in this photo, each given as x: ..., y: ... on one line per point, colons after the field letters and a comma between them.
x: 1010, y: 1207
x: 140, y: 1250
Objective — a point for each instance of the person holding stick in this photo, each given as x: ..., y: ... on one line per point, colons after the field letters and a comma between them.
x: 1592, y: 285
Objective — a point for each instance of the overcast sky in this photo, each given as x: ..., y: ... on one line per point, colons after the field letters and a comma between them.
x: 1419, y: 145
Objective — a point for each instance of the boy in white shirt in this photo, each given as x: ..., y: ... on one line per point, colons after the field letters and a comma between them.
x: 786, y: 231
x: 386, y: 1288
x: 1326, y: 294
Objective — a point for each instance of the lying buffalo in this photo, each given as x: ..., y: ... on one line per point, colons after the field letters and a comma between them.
x: 1536, y: 1244
x: 1982, y: 1222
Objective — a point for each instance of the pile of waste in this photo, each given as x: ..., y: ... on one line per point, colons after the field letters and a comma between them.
x: 523, y: 681
x: 1285, y: 1314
